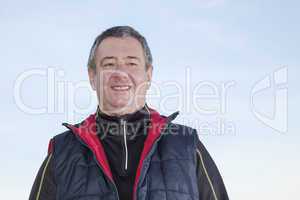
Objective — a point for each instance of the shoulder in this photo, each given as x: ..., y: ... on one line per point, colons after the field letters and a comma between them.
x: 64, y: 137
x: 182, y: 133
x: 62, y: 142
x: 180, y: 138
x: 181, y: 130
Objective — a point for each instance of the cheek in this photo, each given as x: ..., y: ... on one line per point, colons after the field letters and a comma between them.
x: 141, y: 84
x: 103, y: 80
x: 139, y: 76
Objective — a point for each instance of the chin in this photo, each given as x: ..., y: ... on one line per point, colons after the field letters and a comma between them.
x: 120, y: 104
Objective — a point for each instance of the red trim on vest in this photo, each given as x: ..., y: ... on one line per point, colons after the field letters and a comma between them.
x: 157, y: 124
x: 87, y: 132
x: 50, y: 146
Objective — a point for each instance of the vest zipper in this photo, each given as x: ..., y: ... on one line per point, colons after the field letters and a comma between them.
x: 150, y: 154
x: 123, y: 123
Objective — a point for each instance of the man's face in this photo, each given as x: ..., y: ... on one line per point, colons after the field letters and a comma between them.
x: 120, y: 78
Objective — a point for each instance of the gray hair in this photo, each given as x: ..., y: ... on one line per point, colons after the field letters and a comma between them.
x: 120, y: 32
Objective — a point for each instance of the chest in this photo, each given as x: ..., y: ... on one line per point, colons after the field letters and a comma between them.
x: 168, y: 172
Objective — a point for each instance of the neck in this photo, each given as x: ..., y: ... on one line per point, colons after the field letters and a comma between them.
x: 109, y: 125
x: 121, y: 111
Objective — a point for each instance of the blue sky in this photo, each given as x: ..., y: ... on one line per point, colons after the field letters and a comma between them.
x: 218, y: 41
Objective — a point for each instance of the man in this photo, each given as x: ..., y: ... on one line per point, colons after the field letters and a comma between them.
x: 126, y: 150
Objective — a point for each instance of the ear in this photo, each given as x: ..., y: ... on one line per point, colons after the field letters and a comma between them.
x: 149, y: 75
x: 92, y: 77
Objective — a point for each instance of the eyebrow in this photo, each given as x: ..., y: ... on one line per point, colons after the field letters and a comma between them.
x: 134, y: 57
x: 114, y: 58
x: 107, y: 58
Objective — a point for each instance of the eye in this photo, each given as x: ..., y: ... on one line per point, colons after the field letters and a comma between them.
x: 108, y: 65
x: 132, y: 64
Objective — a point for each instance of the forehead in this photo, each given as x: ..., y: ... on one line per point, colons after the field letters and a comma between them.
x: 120, y: 47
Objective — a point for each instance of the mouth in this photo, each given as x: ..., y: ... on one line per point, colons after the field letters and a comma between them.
x: 121, y: 88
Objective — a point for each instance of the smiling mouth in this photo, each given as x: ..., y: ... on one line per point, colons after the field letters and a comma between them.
x: 121, y: 88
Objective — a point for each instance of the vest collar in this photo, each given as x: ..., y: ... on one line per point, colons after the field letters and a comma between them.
x: 135, y: 124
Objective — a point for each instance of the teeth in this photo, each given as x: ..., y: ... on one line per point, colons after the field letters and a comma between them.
x: 120, y: 87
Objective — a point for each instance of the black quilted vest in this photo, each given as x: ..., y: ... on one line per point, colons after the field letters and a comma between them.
x: 166, y: 171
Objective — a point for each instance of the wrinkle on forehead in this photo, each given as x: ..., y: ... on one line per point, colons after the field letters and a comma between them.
x: 120, y: 48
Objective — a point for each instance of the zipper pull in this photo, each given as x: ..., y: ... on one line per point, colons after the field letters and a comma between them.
x: 123, y: 122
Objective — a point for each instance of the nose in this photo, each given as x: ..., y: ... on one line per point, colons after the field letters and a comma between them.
x: 121, y: 65
x: 119, y: 76
x: 120, y: 70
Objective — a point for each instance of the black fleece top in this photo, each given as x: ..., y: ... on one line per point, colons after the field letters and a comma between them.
x: 123, y: 140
